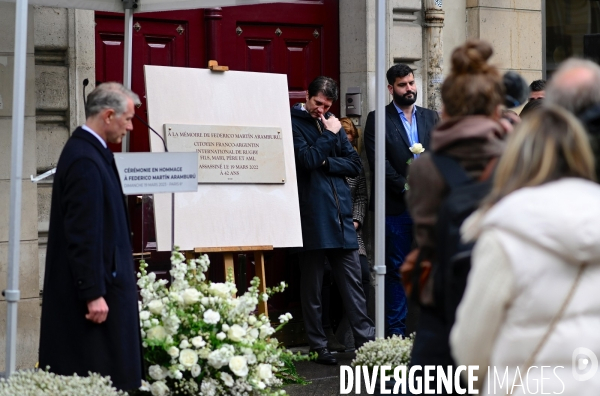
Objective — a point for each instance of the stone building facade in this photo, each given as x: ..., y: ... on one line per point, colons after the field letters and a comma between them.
x: 60, y: 54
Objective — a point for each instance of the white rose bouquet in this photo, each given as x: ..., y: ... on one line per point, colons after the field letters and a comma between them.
x: 199, y: 339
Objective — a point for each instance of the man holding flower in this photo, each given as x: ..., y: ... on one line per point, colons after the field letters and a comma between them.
x: 407, y: 129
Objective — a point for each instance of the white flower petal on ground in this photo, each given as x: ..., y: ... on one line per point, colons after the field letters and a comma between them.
x: 239, y: 366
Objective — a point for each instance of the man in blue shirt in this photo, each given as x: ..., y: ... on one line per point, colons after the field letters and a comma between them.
x: 407, y: 133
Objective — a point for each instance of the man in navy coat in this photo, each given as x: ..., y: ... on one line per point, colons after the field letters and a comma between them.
x: 324, y: 158
x: 90, y: 320
x: 406, y: 126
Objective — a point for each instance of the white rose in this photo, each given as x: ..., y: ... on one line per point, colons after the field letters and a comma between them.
x: 178, y: 375
x: 198, y: 342
x: 204, y: 301
x: 251, y: 320
x: 159, y: 388
x: 238, y: 365
x: 254, y: 334
x: 211, y: 317
x: 157, y: 372
x: 191, y: 296
x: 416, y: 148
x: 264, y: 371
x: 236, y: 333
x: 184, y: 344
x: 261, y: 385
x: 221, y: 336
x: 195, y: 370
x: 155, y: 306
x: 265, y: 296
x: 219, y: 290
x: 157, y: 333
x: 173, y: 351
x: 225, y: 327
x: 188, y: 358
x: 227, y: 379
x: 144, y: 315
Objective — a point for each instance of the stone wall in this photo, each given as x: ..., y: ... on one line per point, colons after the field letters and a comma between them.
x: 514, y: 27
x: 60, y: 54
x: 29, y: 307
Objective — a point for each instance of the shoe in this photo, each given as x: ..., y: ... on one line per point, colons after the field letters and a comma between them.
x: 324, y: 356
x: 332, y: 342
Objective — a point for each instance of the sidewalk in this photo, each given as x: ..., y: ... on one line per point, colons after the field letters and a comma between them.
x: 325, y: 380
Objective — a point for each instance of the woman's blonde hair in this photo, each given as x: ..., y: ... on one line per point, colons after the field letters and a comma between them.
x: 548, y: 145
x: 349, y: 127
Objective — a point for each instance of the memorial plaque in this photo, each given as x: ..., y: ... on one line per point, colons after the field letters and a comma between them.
x: 231, y: 154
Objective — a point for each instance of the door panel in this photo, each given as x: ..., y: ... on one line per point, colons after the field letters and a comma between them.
x: 303, y: 42
x: 162, y: 39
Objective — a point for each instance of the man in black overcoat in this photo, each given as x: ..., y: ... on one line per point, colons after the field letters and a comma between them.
x: 407, y: 131
x: 90, y: 320
x: 324, y: 158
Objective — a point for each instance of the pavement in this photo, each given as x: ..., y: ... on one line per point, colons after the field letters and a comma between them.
x: 324, y: 380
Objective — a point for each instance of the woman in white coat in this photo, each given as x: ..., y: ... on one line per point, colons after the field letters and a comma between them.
x: 531, y: 310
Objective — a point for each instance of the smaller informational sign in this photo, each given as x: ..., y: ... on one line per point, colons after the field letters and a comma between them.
x: 149, y: 173
x: 231, y: 154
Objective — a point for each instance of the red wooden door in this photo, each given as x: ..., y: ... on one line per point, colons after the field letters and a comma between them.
x: 299, y: 40
x: 161, y: 39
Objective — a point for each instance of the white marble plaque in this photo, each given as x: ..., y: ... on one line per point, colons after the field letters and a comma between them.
x: 225, y: 214
x: 231, y: 154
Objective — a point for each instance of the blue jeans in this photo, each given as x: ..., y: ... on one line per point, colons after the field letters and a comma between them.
x: 398, y: 242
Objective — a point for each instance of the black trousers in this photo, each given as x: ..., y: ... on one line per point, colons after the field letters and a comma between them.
x: 346, y: 270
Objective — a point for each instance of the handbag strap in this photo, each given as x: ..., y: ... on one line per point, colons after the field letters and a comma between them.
x: 555, y: 320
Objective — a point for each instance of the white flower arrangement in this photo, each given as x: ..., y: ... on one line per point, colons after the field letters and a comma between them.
x: 199, y: 339
x: 44, y: 383
x: 393, y: 351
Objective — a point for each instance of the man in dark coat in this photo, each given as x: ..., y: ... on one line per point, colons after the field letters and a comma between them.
x: 324, y: 157
x: 90, y: 320
x: 407, y: 129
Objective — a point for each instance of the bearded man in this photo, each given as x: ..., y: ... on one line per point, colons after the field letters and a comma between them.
x: 407, y: 129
